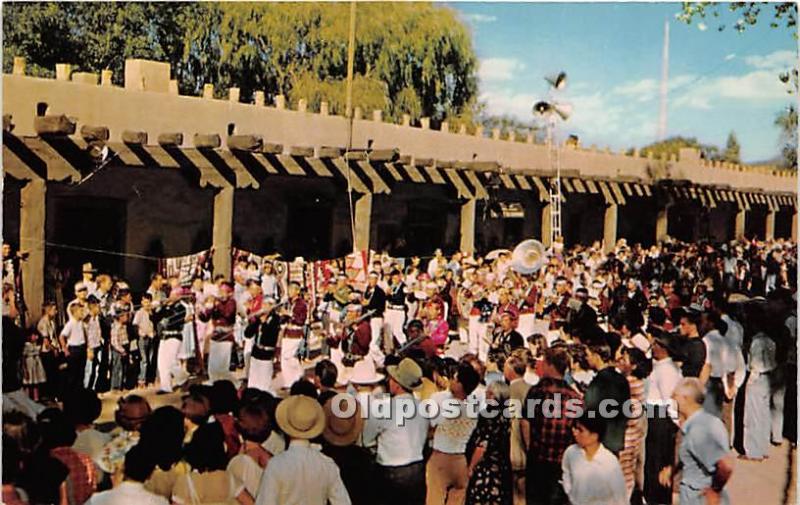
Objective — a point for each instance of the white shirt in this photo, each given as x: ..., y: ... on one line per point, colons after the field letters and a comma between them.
x: 762, y: 354
x: 73, y: 332
x: 735, y: 332
x: 246, y: 472
x: 452, y: 433
x: 143, y: 323
x: 400, y: 441
x: 302, y: 476
x: 662, y: 381
x: 127, y: 493
x: 598, y: 481
x: 719, y: 354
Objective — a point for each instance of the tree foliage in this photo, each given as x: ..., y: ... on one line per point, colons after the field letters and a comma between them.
x: 414, y: 58
x: 731, y: 154
x: 787, y: 122
x: 672, y: 146
x: 783, y: 13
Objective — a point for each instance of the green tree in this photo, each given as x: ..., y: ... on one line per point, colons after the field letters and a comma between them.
x: 672, y: 146
x: 787, y: 122
x: 783, y: 13
x: 732, y: 149
x: 414, y: 58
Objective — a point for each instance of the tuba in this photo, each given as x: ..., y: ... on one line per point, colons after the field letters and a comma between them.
x: 528, y: 257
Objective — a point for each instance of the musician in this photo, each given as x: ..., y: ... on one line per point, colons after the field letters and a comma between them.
x: 418, y: 339
x: 505, y: 339
x: 173, y: 316
x: 294, y: 319
x: 479, y: 316
x: 222, y: 312
x: 395, y: 313
x: 505, y: 304
x: 559, y: 308
x: 527, y: 310
x: 436, y: 326
x: 356, y: 335
x: 263, y: 332
x: 375, y: 301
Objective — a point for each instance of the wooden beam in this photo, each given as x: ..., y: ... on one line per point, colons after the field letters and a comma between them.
x: 32, y: 240
x: 53, y: 125
x: 207, y: 140
x: 222, y: 231
x: 134, y: 137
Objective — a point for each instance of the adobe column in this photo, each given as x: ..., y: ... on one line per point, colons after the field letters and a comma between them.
x: 222, y: 234
x: 662, y: 224
x: 32, y: 240
x: 610, y: 227
x: 738, y: 229
x: 467, y: 228
x: 769, y: 227
x: 547, y: 225
x: 363, y: 222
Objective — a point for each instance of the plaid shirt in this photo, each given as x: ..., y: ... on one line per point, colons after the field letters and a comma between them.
x: 550, y: 434
x: 82, y: 480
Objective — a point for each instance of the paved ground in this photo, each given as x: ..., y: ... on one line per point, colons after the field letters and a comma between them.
x: 760, y: 483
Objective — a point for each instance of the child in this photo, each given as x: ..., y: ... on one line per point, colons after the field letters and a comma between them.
x: 145, y: 333
x: 94, y: 339
x: 120, y: 350
x: 33, y: 370
x: 51, y: 353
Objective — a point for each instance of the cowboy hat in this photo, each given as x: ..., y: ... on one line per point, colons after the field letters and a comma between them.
x: 88, y: 269
x: 407, y: 373
x: 339, y: 430
x: 300, y: 416
x: 364, y: 372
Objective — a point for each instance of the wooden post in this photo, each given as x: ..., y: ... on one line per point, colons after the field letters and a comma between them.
x: 738, y: 228
x: 363, y: 223
x: 794, y: 226
x: 547, y: 230
x: 467, y: 229
x: 769, y: 228
x: 610, y: 227
x: 32, y: 237
x: 222, y: 232
x: 662, y: 224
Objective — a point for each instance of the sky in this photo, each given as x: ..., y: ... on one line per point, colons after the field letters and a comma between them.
x: 719, y: 81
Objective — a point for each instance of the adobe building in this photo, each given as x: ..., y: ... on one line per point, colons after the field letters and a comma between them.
x: 142, y: 170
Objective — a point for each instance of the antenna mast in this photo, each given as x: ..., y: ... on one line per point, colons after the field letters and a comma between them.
x: 662, y: 116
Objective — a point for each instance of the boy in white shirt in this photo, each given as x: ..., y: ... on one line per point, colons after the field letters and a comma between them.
x: 73, y: 343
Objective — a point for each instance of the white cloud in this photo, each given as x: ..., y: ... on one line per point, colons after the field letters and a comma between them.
x: 499, y: 69
x: 645, y: 90
x: 759, y: 85
x: 778, y: 60
x: 480, y: 18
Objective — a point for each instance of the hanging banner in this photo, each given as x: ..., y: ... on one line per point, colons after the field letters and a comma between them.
x: 187, y: 268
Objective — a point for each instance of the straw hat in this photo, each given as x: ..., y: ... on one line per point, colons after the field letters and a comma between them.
x: 341, y: 431
x: 300, y: 417
x: 364, y: 372
x: 408, y: 373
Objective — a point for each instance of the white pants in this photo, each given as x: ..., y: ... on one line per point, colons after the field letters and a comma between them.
x: 260, y: 375
x: 478, y: 343
x: 219, y: 361
x: 376, y: 329
x: 395, y: 319
x: 291, y: 370
x: 168, y: 366
x: 248, y: 350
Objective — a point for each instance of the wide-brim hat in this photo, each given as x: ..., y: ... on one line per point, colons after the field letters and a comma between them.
x: 407, y: 373
x: 300, y: 416
x: 88, y: 269
x: 341, y: 431
x: 364, y: 373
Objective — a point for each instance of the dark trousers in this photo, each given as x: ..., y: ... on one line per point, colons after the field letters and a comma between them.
x: 542, y: 484
x: 76, y: 366
x: 402, y: 485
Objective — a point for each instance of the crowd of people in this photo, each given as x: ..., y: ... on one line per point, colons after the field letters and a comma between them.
x: 699, y: 339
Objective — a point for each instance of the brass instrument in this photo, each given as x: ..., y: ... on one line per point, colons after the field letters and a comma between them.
x: 528, y: 257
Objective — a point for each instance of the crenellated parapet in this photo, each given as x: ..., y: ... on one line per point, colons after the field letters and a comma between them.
x: 149, y: 103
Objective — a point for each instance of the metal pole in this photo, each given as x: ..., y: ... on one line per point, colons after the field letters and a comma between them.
x: 351, y: 53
